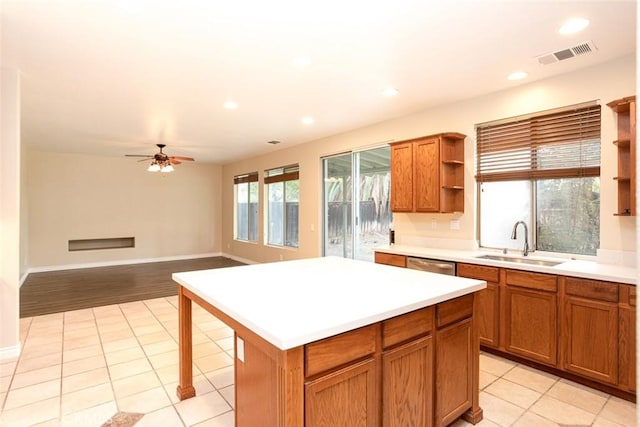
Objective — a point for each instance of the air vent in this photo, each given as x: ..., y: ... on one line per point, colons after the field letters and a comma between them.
x: 564, y: 54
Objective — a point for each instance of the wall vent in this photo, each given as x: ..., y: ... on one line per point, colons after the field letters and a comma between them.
x: 580, y: 49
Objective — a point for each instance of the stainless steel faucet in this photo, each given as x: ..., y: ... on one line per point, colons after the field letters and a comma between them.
x: 514, y: 236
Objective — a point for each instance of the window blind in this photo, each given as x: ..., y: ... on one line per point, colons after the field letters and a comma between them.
x: 288, y: 173
x: 562, y: 144
x: 249, y: 177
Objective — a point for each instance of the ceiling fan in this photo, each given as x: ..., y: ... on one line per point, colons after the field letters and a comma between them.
x: 160, y: 161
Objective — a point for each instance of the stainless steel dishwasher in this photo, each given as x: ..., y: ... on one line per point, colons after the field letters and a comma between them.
x: 432, y: 265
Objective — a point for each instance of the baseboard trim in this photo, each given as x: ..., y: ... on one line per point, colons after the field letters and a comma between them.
x: 239, y: 259
x: 7, y: 353
x: 120, y: 262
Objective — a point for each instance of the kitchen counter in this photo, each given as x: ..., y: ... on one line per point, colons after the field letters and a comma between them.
x: 292, y: 303
x: 568, y: 267
x: 333, y: 341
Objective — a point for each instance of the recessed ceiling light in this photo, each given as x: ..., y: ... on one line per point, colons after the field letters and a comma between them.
x: 518, y: 75
x: 273, y: 142
x: 574, y: 25
x: 230, y: 105
x: 302, y: 61
x: 308, y: 120
x: 390, y: 91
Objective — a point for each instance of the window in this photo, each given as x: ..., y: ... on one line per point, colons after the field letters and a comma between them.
x: 283, y: 190
x: 246, y: 207
x: 542, y: 169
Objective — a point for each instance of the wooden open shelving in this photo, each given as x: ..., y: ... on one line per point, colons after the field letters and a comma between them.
x: 625, y: 109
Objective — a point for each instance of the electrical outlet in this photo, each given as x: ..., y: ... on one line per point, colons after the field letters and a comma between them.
x: 434, y: 224
x: 454, y: 224
x: 281, y: 257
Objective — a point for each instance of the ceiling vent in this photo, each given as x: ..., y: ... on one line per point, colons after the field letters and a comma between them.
x: 564, y: 54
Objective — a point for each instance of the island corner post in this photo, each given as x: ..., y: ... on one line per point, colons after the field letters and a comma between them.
x: 271, y: 384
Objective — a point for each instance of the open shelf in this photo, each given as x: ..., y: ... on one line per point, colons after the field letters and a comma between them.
x: 625, y: 110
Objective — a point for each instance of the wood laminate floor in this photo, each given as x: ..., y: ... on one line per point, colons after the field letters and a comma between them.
x: 66, y: 290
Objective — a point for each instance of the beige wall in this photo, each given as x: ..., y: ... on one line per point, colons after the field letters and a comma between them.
x: 604, y: 83
x: 74, y: 196
x: 9, y: 212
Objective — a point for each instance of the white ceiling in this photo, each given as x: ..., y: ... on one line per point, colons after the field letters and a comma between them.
x: 114, y: 77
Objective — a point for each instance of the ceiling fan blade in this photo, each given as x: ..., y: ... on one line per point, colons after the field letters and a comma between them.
x: 174, y: 162
x: 189, y: 159
x: 139, y: 155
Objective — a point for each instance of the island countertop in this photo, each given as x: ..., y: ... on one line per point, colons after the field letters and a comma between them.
x: 292, y: 303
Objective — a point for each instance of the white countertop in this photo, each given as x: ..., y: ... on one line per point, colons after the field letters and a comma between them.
x: 292, y: 303
x: 575, y: 268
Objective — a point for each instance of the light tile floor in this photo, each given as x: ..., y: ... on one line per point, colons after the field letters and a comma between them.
x: 79, y: 368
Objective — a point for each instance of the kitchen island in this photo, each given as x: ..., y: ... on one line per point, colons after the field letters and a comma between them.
x: 332, y: 341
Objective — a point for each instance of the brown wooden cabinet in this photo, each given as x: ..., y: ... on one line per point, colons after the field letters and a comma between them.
x: 407, y: 387
x: 402, y: 177
x: 427, y: 174
x: 589, y: 329
x: 584, y: 327
x: 390, y: 259
x: 454, y: 345
x: 326, y: 401
x: 530, y: 316
x: 395, y: 362
x: 627, y: 338
x: 488, y: 302
x: 625, y: 110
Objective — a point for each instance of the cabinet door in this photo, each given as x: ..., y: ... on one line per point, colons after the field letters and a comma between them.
x: 530, y: 324
x: 454, y: 371
x: 590, y: 337
x: 347, y: 397
x: 427, y: 175
x: 407, y: 385
x: 402, y: 177
x: 627, y: 338
x: 487, y: 302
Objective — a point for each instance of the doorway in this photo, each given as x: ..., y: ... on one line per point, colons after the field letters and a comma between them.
x: 356, y: 208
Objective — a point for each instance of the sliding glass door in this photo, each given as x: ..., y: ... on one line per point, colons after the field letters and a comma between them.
x: 356, y: 205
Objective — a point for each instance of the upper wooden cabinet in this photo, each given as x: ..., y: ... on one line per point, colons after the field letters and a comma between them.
x: 427, y: 174
x: 625, y: 109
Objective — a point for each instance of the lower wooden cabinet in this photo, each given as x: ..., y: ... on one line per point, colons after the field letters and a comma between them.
x: 421, y: 366
x: 530, y: 316
x: 407, y: 385
x: 580, y: 326
x: 589, y: 329
x: 627, y: 338
x: 347, y: 397
x: 488, y: 302
x: 390, y: 259
x: 454, y: 385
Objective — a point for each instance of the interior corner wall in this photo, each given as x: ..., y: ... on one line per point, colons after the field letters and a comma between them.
x: 77, y: 196
x: 603, y: 83
x: 10, y: 193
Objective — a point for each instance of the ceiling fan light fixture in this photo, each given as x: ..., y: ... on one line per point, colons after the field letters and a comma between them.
x: 167, y: 168
x: 153, y: 167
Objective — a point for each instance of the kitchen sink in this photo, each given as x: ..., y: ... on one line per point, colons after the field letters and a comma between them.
x: 522, y: 260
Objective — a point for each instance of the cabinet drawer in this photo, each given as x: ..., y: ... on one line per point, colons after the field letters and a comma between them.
x: 403, y: 328
x: 390, y: 259
x: 451, y: 311
x: 592, y: 289
x: 338, y: 350
x: 480, y: 272
x: 525, y: 279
